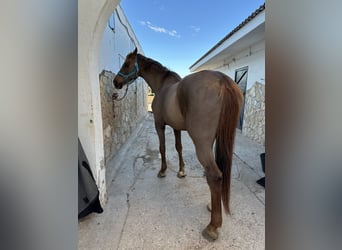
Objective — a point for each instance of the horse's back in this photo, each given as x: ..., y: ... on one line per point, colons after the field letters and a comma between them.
x: 201, y: 91
x: 200, y: 99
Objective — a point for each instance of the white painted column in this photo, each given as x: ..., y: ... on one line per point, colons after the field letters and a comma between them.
x: 92, y: 18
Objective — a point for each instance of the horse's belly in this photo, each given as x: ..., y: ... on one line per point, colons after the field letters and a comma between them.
x: 175, y: 121
x: 173, y: 115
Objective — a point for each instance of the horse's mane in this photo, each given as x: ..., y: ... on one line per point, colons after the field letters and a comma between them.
x: 168, y: 73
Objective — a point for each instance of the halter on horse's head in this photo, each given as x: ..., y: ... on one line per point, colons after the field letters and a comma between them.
x: 128, y: 72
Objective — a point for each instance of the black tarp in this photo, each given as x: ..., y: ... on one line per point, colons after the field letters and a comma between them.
x: 262, y: 180
x: 88, y: 194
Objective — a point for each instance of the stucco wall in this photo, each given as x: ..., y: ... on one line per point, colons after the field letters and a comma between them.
x: 120, y: 121
x: 254, y: 117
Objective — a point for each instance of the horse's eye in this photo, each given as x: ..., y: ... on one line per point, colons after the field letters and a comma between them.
x: 126, y: 65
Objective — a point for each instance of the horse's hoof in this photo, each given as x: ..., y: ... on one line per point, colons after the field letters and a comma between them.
x: 181, y: 174
x: 161, y: 175
x: 209, y: 207
x: 210, y: 234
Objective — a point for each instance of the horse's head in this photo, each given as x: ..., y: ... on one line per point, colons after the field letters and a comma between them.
x: 128, y: 72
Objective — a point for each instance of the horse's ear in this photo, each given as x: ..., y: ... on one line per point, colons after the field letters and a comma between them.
x: 135, y: 51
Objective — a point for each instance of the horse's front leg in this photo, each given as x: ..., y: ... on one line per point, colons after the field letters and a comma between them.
x: 161, y: 135
x: 178, y: 145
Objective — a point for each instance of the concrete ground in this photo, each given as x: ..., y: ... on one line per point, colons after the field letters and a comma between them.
x: 147, y: 212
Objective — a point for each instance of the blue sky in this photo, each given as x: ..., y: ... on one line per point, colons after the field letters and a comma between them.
x: 178, y: 32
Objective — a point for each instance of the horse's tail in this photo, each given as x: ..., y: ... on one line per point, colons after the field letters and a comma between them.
x: 232, y: 99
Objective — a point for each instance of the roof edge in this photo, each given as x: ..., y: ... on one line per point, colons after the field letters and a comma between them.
x: 242, y: 24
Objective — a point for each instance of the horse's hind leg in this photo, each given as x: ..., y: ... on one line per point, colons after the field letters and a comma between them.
x: 178, y: 145
x: 161, y: 135
x: 214, y: 179
x: 204, y: 151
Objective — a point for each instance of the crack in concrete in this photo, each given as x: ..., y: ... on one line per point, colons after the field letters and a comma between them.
x: 137, y: 173
x: 244, y: 162
x: 239, y: 176
x: 131, y: 190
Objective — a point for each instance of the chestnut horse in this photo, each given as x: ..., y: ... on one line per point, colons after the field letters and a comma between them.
x: 206, y: 104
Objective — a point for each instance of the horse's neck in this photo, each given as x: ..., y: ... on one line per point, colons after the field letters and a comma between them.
x: 152, y: 74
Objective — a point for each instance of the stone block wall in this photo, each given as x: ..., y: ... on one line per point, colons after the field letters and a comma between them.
x: 254, y: 115
x: 118, y: 125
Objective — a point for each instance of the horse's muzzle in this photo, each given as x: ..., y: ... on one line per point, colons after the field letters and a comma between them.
x: 117, y: 83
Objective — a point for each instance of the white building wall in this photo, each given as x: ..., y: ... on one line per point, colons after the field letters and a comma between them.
x: 235, y: 38
x: 254, y: 58
x: 115, y: 45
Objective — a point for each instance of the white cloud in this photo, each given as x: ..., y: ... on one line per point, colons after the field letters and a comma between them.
x: 195, y: 28
x: 155, y: 28
x: 173, y: 33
